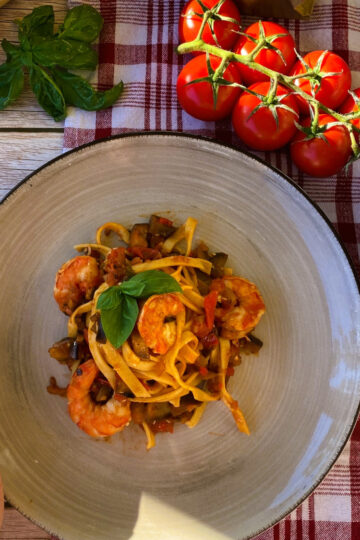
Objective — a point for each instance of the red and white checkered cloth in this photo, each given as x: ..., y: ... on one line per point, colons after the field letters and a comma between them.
x: 137, y: 45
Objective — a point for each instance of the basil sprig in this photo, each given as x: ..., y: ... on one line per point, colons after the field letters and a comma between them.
x: 48, y: 56
x: 118, y: 306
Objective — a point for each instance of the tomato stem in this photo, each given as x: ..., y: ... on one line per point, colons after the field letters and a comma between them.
x: 220, y: 69
x: 199, y: 45
x: 354, y: 144
x: 315, y: 117
x: 273, y: 88
x: 204, y: 21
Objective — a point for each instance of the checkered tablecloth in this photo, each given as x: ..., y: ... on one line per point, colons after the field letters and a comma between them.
x: 137, y: 45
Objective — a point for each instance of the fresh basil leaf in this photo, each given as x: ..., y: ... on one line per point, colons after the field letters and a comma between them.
x: 118, y: 323
x: 47, y: 93
x: 67, y: 53
x: 83, y: 23
x: 12, y: 51
x: 133, y: 287
x: 11, y: 83
x: 78, y: 92
x: 110, y: 298
x: 150, y: 282
x: 38, y: 24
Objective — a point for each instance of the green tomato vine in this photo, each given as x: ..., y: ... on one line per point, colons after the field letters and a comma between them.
x: 314, y: 74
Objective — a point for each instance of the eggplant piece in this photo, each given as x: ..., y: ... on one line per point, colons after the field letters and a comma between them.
x: 62, y: 350
x: 218, y: 261
x: 204, y: 282
x: 161, y: 226
x: 138, y: 235
x: 100, y: 335
x: 138, y: 412
x: 250, y: 347
x: 157, y: 411
x: 201, y: 251
x: 138, y: 345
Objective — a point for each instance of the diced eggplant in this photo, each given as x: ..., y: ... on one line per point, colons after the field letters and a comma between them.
x: 138, y: 235
x: 218, y: 261
x: 138, y: 412
x: 61, y: 350
x: 201, y: 251
x: 204, y: 282
x: 138, y: 345
x: 100, y: 335
x: 250, y: 347
x: 157, y: 411
x: 161, y: 226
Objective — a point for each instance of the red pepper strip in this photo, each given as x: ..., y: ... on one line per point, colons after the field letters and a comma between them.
x: 165, y: 221
x: 210, y: 302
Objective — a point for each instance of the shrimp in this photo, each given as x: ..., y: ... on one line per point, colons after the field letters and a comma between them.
x: 75, y: 282
x: 158, y: 334
x: 96, y: 420
x: 241, y: 306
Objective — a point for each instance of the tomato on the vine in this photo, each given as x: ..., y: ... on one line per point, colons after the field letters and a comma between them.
x: 332, y: 83
x: 255, y: 122
x: 280, y: 60
x: 316, y: 156
x: 350, y: 106
x: 198, y: 98
x: 224, y: 30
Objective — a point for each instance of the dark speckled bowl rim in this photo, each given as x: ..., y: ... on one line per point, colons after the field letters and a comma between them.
x: 175, y: 134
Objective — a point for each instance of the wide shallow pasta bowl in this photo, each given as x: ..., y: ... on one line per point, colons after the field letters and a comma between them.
x: 300, y: 395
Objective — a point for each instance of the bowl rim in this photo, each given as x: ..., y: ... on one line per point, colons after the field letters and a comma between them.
x: 183, y: 135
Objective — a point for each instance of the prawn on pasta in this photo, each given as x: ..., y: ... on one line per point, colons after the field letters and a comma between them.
x: 156, y: 328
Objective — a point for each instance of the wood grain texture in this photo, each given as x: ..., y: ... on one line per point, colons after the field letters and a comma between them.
x: 22, y: 153
x: 25, y: 112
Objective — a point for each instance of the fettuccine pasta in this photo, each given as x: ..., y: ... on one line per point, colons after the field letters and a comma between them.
x: 181, y: 347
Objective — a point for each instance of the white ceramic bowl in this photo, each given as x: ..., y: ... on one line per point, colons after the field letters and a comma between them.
x: 300, y: 395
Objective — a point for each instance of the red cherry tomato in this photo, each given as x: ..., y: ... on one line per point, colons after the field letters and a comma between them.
x: 197, y: 98
x: 266, y: 57
x: 260, y: 131
x: 333, y: 89
x: 349, y: 106
x: 225, y: 31
x: 317, y: 157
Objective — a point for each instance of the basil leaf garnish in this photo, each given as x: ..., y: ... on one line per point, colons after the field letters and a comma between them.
x: 118, y: 306
x: 150, y: 282
x: 118, y: 323
x: 110, y: 298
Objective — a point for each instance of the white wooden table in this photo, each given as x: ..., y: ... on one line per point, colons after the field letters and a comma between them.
x: 28, y: 138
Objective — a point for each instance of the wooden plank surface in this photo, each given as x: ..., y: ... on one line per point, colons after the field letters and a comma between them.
x: 22, y: 153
